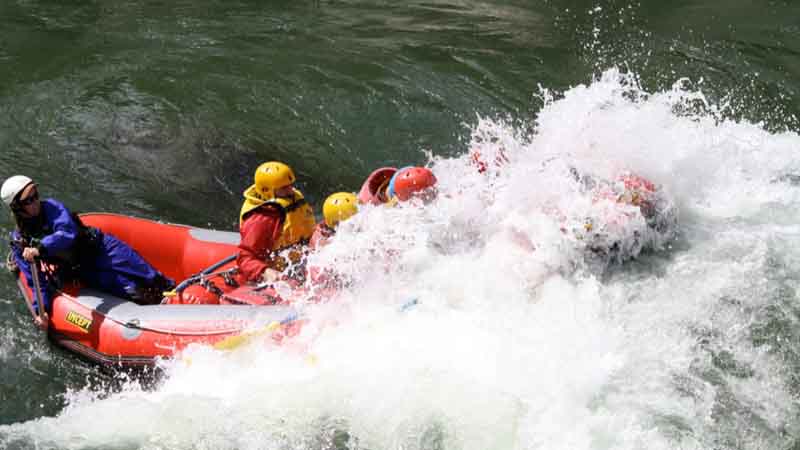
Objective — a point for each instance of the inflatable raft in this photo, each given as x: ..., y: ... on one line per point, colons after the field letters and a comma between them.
x: 113, y: 331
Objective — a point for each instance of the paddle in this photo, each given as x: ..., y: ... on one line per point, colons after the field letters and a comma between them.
x: 234, y: 342
x: 37, y: 291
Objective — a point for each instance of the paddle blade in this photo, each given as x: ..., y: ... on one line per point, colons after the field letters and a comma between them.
x: 234, y: 342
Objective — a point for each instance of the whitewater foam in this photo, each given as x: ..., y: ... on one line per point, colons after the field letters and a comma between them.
x: 476, y: 322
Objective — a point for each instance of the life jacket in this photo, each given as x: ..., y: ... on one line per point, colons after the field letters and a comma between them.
x: 89, y: 238
x: 373, y: 191
x: 298, y: 223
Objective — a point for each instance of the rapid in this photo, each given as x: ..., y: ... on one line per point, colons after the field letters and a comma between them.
x: 452, y: 335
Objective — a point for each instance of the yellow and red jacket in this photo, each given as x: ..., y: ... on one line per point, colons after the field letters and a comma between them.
x: 299, y: 221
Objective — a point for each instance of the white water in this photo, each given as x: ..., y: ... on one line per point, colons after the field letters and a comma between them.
x: 508, y: 348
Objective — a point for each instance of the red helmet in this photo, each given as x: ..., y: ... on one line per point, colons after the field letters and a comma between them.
x: 410, y: 181
x: 633, y: 181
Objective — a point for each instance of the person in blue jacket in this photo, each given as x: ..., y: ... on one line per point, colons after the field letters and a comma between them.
x: 48, y: 234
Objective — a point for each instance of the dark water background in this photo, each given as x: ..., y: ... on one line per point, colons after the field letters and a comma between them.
x: 162, y: 109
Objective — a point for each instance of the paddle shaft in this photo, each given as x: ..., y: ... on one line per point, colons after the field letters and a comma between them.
x: 37, y: 291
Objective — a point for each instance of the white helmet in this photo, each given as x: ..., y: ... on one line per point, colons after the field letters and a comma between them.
x: 12, y: 187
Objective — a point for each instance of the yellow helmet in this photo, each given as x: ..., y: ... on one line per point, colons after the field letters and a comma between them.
x: 339, y: 207
x: 271, y: 176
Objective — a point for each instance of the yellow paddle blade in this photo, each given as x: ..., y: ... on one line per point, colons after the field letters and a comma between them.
x: 233, y: 342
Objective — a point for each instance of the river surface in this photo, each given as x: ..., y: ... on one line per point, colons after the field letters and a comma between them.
x: 163, y: 109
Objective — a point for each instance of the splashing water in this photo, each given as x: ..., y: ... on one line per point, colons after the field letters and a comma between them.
x: 485, y: 320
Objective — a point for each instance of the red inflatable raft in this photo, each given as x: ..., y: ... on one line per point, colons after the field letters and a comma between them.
x: 113, y: 331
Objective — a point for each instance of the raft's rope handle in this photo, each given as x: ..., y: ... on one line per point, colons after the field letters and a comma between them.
x: 207, y: 272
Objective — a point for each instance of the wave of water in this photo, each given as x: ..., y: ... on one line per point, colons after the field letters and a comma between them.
x: 469, y: 340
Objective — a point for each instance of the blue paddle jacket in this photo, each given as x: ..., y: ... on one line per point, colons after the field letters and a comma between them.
x: 97, y: 259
